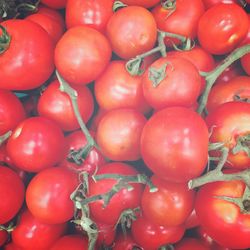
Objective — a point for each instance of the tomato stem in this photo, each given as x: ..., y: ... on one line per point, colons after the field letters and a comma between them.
x: 5, y: 39
x: 211, y: 76
x: 118, y: 5
x: 242, y: 145
x: 5, y: 137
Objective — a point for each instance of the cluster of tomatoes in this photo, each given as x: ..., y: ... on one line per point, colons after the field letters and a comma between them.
x: 125, y: 125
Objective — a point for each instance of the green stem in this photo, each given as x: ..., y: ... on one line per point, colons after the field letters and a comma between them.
x: 5, y: 39
x: 5, y: 137
x: 214, y: 74
x: 118, y: 5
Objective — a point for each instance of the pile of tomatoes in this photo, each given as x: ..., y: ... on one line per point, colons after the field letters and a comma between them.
x: 125, y: 125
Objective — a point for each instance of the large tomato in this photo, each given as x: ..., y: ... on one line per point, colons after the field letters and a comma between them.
x: 29, y: 60
x: 143, y: 3
x: 55, y: 4
x: 174, y: 144
x: 209, y: 3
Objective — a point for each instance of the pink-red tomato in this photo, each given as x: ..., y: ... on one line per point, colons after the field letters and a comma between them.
x: 125, y: 242
x: 209, y: 3
x: 143, y: 3
x: 136, y: 36
x: 4, y: 235
x: 190, y: 243
x: 55, y: 4
x: 192, y: 221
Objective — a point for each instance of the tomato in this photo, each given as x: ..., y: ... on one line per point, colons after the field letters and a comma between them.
x: 228, y: 123
x: 35, y: 144
x: 12, y: 194
x: 30, y: 56
x: 12, y: 246
x: 118, y: 134
x: 116, y: 88
x: 236, y: 89
x: 223, y: 220
x: 94, y: 14
x: 170, y: 205
x: 125, y: 242
x: 55, y: 4
x: 171, y: 81
x: 96, y: 119
x: 11, y: 111
x: 143, y: 3
x: 150, y: 236
x: 133, y: 37
x: 209, y: 3
x: 4, y: 235
x: 71, y: 242
x: 224, y: 24
x: 182, y: 20
x: 190, y: 243
x: 48, y: 195
x: 192, y: 221
x: 122, y: 200
x: 82, y: 54
x: 106, y: 234
x: 57, y: 106
x: 174, y: 144
x: 30, y: 232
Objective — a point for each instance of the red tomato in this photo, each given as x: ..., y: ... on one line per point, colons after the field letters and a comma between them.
x: 174, y: 144
x: 82, y: 54
x: 192, y: 221
x: 225, y: 25
x: 122, y: 200
x: 12, y: 194
x: 133, y: 37
x: 48, y: 195
x: 106, y: 234
x: 175, y: 201
x: 209, y: 3
x: 96, y: 119
x: 57, y: 106
x: 143, y: 3
x: 11, y: 111
x: 94, y: 14
x: 116, y: 88
x: 221, y: 219
x: 55, y: 4
x: 30, y: 232
x: 125, y: 242
x: 118, y: 134
x: 31, y: 57
x: 190, y: 243
x: 12, y: 246
x: 4, y: 235
x: 229, y: 122
x: 171, y: 81
x: 35, y: 144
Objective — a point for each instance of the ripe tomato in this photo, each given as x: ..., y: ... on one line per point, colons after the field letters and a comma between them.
x: 190, y: 243
x: 192, y: 221
x: 174, y: 144
x: 122, y: 200
x: 12, y: 194
x: 125, y: 242
x: 35, y: 144
x: 31, y: 57
x: 224, y: 24
x: 106, y: 234
x: 12, y: 246
x: 143, y: 3
x: 82, y: 54
x: 30, y: 232
x: 133, y: 37
x: 11, y: 111
x: 4, y: 235
x: 228, y: 123
x: 116, y: 88
x: 57, y: 106
x: 171, y: 81
x: 118, y: 134
x: 209, y: 3
x: 55, y: 4
x: 48, y: 195
x: 94, y: 14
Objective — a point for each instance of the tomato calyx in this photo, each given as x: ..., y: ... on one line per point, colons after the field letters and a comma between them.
x: 243, y: 144
x: 169, y: 5
x: 5, y: 40
x: 5, y: 137
x: 118, y: 5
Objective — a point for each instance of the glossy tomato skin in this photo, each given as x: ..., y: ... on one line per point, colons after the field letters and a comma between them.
x: 209, y: 3
x: 190, y: 243
x: 180, y: 86
x: 125, y: 242
x: 226, y: 25
x: 116, y: 88
x: 143, y: 3
x: 4, y: 235
x: 136, y: 36
x: 227, y: 122
x: 46, y: 193
x: 170, y: 205
x: 221, y: 219
x: 12, y: 194
x: 30, y: 232
x: 35, y: 144
x: 94, y: 14
x: 11, y: 111
x: 82, y: 54
x: 121, y: 201
x: 118, y: 134
x: 56, y: 105
x: 55, y: 4
x: 174, y: 144
x: 35, y: 53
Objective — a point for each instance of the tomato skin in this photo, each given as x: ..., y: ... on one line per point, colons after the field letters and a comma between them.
x: 123, y: 242
x: 190, y: 243
x: 12, y: 193
x: 227, y: 122
x: 209, y: 3
x: 136, y: 36
x: 11, y: 111
x: 192, y: 221
x: 55, y: 4
x: 180, y: 87
x: 34, y: 52
x: 4, y: 235
x: 46, y: 193
x: 56, y: 105
x: 143, y: 3
x: 30, y: 146
x: 222, y: 219
x: 30, y: 232
x: 181, y: 136
x: 82, y: 54
x: 226, y: 25
x: 94, y: 14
